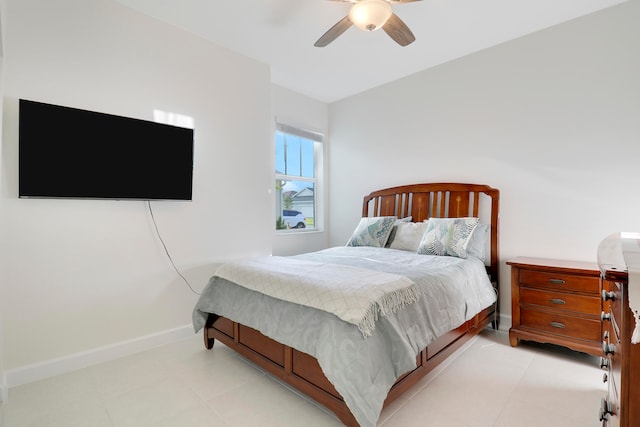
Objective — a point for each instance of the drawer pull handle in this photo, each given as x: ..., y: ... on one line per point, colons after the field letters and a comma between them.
x: 558, y: 325
x: 557, y: 281
x: 608, y: 349
x: 608, y: 296
x: 557, y: 301
x: 605, y: 409
x: 605, y: 316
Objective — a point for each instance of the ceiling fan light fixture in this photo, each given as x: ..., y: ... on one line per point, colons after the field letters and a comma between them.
x: 370, y: 15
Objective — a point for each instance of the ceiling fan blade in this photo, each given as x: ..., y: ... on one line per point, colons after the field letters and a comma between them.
x: 398, y: 31
x: 333, y: 33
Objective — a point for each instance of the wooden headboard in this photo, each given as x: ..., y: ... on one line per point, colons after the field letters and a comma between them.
x: 441, y: 200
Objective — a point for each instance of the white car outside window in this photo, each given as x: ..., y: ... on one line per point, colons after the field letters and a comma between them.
x: 293, y: 219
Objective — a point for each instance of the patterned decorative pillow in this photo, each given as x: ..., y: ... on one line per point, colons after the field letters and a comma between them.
x: 408, y: 236
x: 447, y: 236
x: 372, y: 231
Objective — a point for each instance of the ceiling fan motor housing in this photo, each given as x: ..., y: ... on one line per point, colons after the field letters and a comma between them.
x: 370, y: 15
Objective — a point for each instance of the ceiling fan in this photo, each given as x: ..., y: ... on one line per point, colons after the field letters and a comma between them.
x: 371, y: 15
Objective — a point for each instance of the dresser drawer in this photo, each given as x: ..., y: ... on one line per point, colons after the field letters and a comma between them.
x: 561, y: 301
x: 560, y: 324
x: 560, y: 281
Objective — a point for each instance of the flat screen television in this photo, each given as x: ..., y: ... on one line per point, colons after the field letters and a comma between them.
x: 72, y: 153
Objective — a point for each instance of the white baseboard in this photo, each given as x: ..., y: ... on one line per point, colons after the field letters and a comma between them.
x: 505, y: 323
x: 73, y: 362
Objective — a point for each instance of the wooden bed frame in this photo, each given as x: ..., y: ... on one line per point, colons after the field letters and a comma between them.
x: 302, y: 371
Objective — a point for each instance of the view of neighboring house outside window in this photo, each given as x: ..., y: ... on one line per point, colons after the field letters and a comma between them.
x: 298, y: 154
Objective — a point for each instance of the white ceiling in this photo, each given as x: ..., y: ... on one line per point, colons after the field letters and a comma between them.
x: 281, y: 33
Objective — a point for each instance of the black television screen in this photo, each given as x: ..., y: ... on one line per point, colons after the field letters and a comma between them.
x: 72, y: 153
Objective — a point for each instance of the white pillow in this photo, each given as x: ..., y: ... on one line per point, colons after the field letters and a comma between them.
x: 447, y: 236
x: 395, y: 227
x: 372, y: 231
x: 478, y: 243
x: 408, y: 236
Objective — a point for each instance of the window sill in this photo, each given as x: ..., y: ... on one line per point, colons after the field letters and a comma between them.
x: 296, y: 232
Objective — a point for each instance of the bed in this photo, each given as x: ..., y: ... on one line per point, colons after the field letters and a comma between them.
x: 354, y: 366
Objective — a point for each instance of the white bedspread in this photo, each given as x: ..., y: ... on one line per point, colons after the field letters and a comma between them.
x: 356, y: 295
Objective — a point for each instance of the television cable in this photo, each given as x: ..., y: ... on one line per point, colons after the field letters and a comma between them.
x: 166, y: 251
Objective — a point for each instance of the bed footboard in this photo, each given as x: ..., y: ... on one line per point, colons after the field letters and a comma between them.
x: 303, y: 371
x: 291, y: 366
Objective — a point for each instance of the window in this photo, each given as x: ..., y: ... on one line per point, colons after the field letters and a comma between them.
x: 298, y: 155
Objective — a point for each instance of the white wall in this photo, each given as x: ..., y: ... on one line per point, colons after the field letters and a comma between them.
x: 3, y: 386
x: 76, y: 275
x: 305, y: 113
x: 551, y: 119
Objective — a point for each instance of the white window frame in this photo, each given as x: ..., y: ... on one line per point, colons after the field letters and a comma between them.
x: 316, y: 180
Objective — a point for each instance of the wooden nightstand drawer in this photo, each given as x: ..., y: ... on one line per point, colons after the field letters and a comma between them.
x: 575, y: 327
x: 561, y: 301
x: 559, y: 281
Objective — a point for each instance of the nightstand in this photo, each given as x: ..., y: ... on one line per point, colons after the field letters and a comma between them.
x: 556, y: 301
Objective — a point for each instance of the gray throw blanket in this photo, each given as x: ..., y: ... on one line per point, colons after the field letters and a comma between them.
x: 354, y: 294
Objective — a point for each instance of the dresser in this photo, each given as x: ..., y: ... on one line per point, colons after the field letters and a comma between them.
x: 556, y: 301
x: 621, y: 358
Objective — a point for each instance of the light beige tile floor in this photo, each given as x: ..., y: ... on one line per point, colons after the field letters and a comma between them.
x: 489, y: 384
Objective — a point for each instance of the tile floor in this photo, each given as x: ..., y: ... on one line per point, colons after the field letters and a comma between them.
x: 488, y: 384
